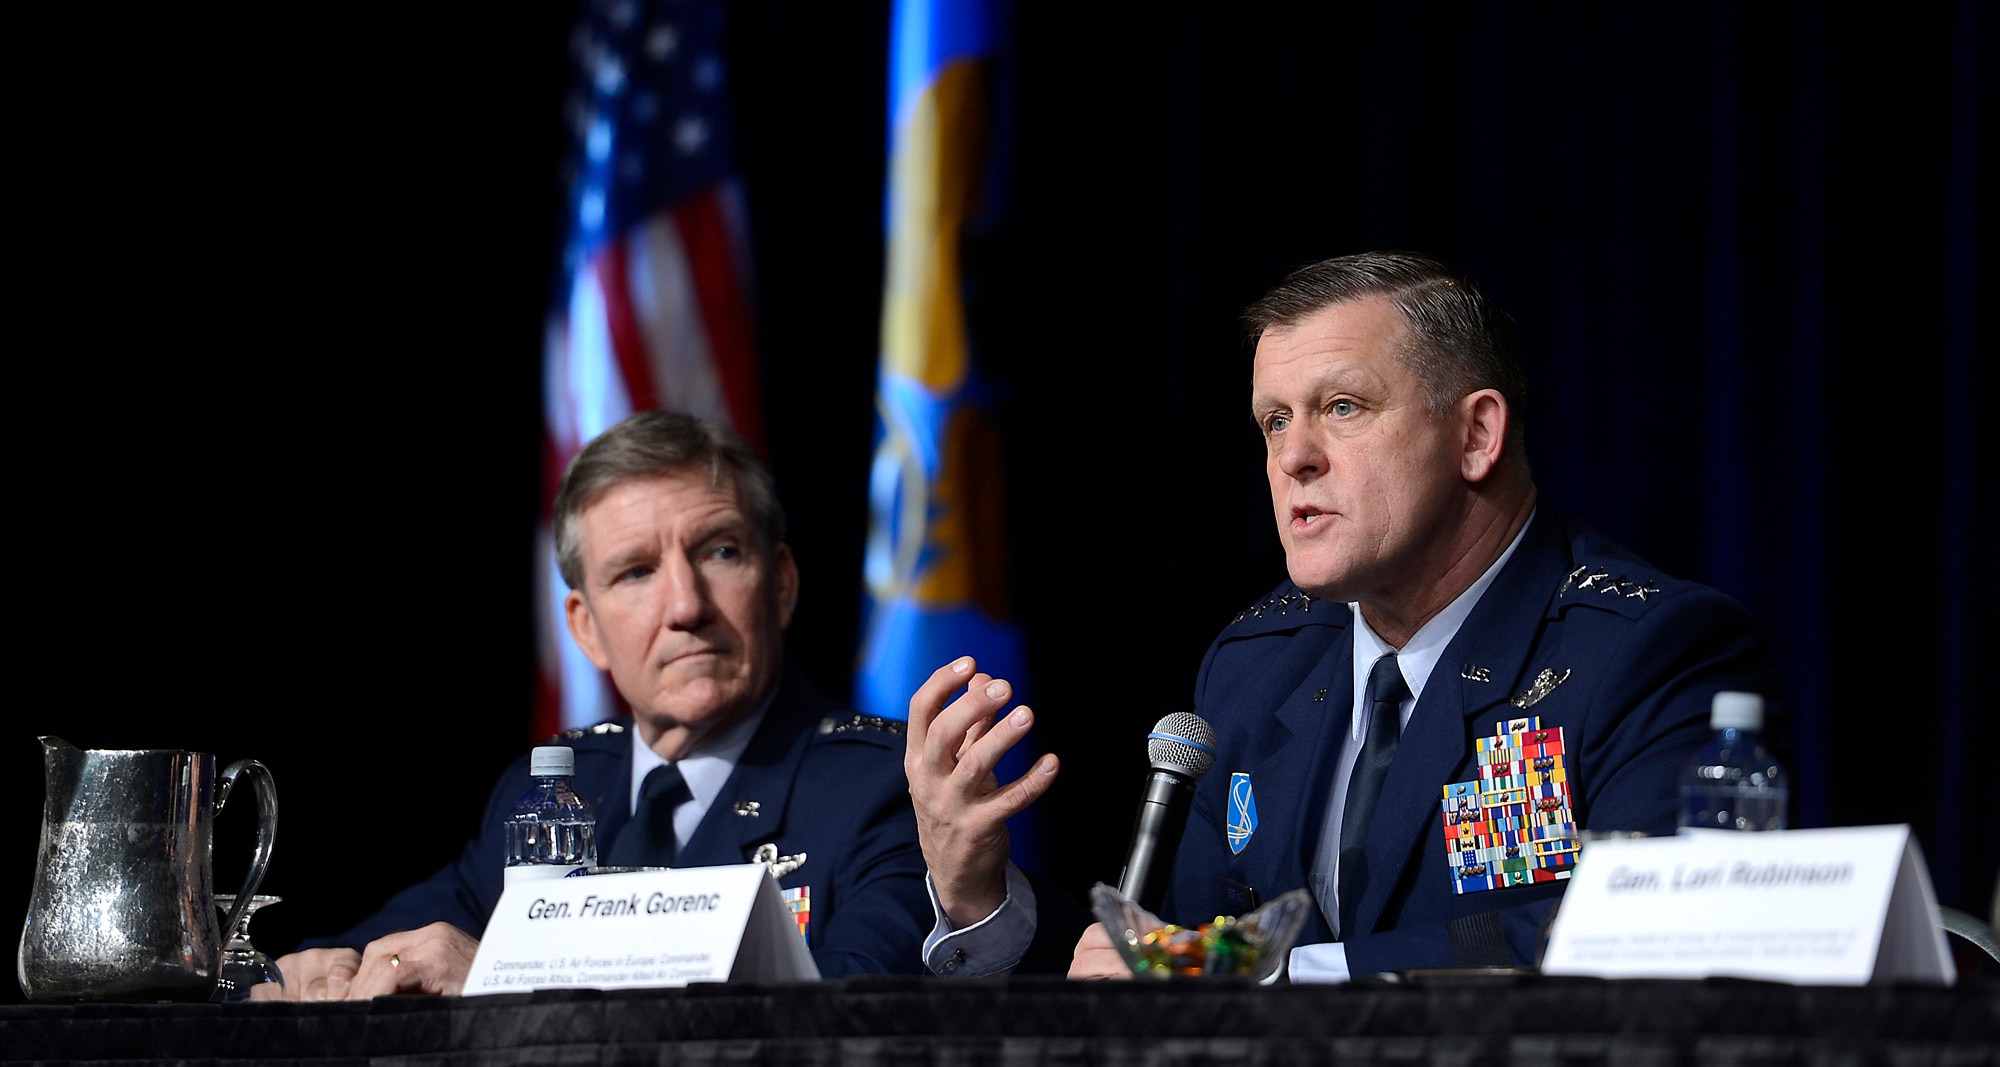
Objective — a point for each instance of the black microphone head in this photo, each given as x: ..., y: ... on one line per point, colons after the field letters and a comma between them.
x: 1182, y: 742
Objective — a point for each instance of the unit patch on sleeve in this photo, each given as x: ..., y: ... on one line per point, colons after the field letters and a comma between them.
x: 1513, y: 825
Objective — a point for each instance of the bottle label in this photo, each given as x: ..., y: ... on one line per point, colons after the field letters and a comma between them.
x: 535, y: 872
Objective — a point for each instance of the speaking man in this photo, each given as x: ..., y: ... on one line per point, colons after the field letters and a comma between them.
x: 669, y: 534
x: 1434, y: 605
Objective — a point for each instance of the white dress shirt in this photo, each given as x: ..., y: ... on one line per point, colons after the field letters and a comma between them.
x: 1327, y: 962
x: 706, y: 771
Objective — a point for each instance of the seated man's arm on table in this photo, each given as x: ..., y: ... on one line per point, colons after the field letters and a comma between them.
x: 962, y: 812
x: 430, y: 929
x: 432, y: 960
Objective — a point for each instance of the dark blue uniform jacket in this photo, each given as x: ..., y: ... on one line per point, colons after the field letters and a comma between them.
x: 1644, y: 652
x: 824, y: 782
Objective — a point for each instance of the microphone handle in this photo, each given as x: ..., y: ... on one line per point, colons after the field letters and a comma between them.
x: 1156, y: 836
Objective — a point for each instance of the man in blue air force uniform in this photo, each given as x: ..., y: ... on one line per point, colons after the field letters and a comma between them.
x: 1433, y: 609
x: 670, y: 536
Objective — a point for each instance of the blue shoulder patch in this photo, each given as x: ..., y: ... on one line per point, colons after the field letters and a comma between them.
x: 1242, y: 812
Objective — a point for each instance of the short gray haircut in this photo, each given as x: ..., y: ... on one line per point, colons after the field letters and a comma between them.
x: 651, y: 444
x: 1458, y: 341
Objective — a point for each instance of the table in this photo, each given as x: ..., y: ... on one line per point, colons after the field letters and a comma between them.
x: 1460, y: 1020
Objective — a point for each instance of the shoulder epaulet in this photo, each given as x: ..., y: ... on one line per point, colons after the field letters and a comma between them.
x: 1605, y: 588
x: 857, y: 723
x: 602, y: 729
x: 1285, y: 608
x: 1278, y: 604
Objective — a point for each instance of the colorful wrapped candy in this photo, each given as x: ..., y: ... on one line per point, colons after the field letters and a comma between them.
x: 1249, y: 947
x: 1219, y: 947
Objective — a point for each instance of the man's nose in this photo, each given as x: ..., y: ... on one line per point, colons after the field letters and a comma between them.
x: 687, y: 605
x: 1300, y: 456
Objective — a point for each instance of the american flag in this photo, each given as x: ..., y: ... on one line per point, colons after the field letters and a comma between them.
x: 652, y: 308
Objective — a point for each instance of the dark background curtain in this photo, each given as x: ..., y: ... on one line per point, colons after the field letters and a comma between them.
x: 277, y: 428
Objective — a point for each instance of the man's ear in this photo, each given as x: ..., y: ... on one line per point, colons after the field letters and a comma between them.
x: 1484, y: 414
x: 583, y: 627
x: 787, y: 575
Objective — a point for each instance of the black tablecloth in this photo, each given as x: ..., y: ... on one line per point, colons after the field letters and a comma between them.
x: 1498, y: 1020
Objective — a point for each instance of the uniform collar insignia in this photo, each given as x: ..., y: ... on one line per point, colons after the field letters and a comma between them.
x: 748, y: 807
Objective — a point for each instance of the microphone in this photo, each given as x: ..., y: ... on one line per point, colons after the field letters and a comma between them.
x: 1181, y: 748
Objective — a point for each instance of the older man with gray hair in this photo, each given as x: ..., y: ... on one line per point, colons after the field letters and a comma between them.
x: 671, y: 539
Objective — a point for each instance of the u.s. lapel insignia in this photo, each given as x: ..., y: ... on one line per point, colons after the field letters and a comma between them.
x: 1242, y: 812
x: 749, y: 808
x: 1473, y: 673
x: 779, y: 866
x: 1513, y: 825
x: 1545, y: 683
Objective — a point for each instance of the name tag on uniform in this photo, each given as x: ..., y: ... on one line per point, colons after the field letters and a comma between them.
x: 641, y: 929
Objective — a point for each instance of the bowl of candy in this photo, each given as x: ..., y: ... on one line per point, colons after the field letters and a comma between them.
x: 1251, y: 946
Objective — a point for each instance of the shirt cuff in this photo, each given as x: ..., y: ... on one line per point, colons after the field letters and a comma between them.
x: 1323, y: 963
x: 993, y: 945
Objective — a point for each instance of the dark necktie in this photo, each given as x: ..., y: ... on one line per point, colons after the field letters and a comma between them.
x: 648, y: 840
x: 1386, y: 693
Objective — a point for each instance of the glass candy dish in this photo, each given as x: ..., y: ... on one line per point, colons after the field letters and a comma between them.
x: 1252, y: 946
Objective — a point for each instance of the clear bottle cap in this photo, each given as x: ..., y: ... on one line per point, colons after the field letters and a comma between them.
x: 551, y: 759
x: 1736, y: 711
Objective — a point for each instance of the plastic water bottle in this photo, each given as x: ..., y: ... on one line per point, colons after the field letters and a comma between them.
x: 552, y: 831
x: 1733, y: 783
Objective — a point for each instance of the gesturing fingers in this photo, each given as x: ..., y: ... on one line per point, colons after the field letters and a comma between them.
x: 955, y: 742
x: 946, y: 739
x: 928, y: 702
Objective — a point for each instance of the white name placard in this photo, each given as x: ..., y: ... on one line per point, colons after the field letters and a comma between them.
x: 1826, y: 907
x: 640, y: 929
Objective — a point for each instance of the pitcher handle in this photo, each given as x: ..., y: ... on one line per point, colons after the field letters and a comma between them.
x: 267, y: 829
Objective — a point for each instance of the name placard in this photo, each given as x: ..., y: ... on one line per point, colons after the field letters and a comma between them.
x: 640, y: 929
x: 1828, y: 907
